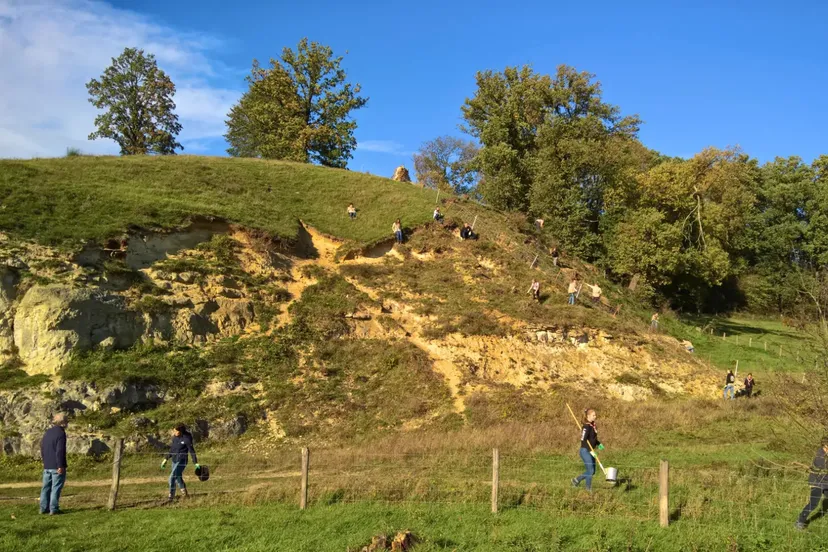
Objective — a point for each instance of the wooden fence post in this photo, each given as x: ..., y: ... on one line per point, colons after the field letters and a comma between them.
x: 437, y: 200
x: 533, y: 262
x: 780, y: 351
x: 766, y: 345
x: 303, y: 493
x: 664, y: 494
x: 116, y: 474
x: 495, y: 478
x: 475, y: 221
x: 750, y: 343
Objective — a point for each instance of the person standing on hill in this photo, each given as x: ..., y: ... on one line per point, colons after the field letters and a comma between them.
x: 818, y: 481
x: 182, y: 443
x: 596, y: 293
x: 573, y: 290
x: 555, y: 256
x: 534, y: 289
x: 654, y: 322
x: 351, y: 211
x: 589, y: 444
x: 396, y: 228
x: 729, y: 388
x: 749, y: 383
x: 53, y: 454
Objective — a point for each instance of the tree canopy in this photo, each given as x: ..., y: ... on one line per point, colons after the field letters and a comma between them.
x: 716, y: 231
x: 446, y: 163
x: 137, y: 98
x: 297, y: 109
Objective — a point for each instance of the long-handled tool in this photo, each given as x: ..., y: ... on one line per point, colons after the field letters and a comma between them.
x: 595, y: 454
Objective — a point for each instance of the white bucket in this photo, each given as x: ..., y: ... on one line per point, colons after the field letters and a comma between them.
x: 612, y: 474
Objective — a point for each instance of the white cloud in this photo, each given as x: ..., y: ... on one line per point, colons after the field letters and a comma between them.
x: 49, y: 49
x: 382, y: 146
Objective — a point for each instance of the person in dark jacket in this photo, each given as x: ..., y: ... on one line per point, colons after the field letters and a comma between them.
x: 749, y: 383
x: 589, y: 444
x: 182, y: 444
x: 53, y: 453
x: 818, y: 481
x: 729, y: 388
x: 466, y: 232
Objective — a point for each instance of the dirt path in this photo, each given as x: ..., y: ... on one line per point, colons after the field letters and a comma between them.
x: 147, y: 480
x: 325, y: 249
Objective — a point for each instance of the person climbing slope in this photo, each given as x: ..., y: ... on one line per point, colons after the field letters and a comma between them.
x: 573, y: 290
x: 589, y: 445
x: 351, y: 211
x: 396, y: 228
x: 534, y: 289
x: 182, y: 443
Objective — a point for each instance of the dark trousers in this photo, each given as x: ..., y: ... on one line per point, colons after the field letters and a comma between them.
x: 816, y: 495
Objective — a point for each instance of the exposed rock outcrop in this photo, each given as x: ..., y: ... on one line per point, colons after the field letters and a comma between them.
x: 53, y: 320
x: 401, y: 174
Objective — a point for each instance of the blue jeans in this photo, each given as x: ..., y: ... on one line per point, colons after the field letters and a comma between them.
x: 589, y: 468
x: 729, y: 389
x: 571, y: 298
x: 399, y: 236
x: 177, y: 476
x: 50, y: 491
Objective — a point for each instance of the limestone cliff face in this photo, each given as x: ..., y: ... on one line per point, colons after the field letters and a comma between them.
x: 52, y: 305
x: 52, y: 321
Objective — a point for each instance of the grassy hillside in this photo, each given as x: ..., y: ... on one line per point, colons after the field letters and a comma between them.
x: 62, y: 201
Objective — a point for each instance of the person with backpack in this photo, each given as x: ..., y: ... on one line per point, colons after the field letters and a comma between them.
x: 589, y: 445
x: 818, y: 482
x: 53, y: 454
x: 182, y: 444
x: 729, y: 388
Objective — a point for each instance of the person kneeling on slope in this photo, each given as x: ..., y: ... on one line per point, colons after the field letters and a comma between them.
x: 466, y: 232
x: 182, y: 443
x: 589, y: 444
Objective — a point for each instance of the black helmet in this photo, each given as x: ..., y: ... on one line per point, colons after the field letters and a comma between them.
x: 203, y: 473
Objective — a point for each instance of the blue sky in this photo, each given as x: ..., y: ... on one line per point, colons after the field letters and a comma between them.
x: 752, y: 74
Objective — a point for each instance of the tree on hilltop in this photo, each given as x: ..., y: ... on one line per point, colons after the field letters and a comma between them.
x: 137, y: 98
x: 445, y: 163
x: 298, y: 109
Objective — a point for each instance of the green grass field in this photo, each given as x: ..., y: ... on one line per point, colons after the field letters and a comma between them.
x: 67, y: 201
x: 341, y: 527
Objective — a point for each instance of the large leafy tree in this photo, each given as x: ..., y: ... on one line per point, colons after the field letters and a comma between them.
x: 550, y: 148
x: 298, y: 109
x: 446, y: 163
x: 686, y: 223
x: 505, y: 115
x: 137, y: 98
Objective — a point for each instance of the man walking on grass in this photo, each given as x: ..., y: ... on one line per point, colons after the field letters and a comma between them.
x: 818, y: 481
x: 53, y: 453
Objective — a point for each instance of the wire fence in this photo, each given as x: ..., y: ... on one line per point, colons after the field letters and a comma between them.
x: 639, y: 493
